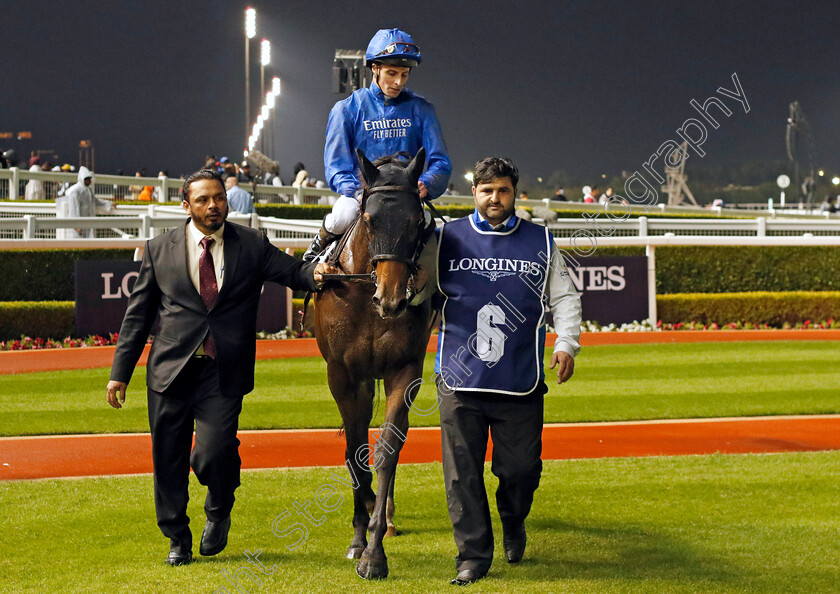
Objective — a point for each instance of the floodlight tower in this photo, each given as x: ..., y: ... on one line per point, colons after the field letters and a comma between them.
x: 250, y: 33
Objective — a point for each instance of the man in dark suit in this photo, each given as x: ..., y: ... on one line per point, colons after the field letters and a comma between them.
x: 204, y: 280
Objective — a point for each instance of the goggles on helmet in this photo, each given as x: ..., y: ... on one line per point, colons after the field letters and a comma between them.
x: 398, y: 46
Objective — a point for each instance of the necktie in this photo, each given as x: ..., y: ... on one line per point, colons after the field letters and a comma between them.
x: 208, y: 288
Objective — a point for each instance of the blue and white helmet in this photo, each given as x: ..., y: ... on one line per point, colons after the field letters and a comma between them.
x: 392, y: 46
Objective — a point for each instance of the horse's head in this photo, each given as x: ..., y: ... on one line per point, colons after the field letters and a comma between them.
x: 394, y: 219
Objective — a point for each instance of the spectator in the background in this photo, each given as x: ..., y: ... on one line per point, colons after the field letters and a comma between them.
x: 134, y: 191
x: 606, y: 196
x: 81, y: 202
x: 590, y: 194
x: 302, y: 180
x: 209, y: 162
x: 35, y: 187
x: 718, y: 203
x: 62, y: 190
x: 237, y: 198
x: 523, y: 195
x: 272, y: 176
x: 560, y: 194
x: 10, y: 159
x: 156, y: 194
x: 244, y: 176
x: 449, y: 191
x: 146, y: 194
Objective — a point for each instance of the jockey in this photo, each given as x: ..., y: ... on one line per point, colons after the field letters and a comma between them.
x: 383, y: 119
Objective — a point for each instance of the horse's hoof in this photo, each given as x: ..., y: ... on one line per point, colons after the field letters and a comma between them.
x: 372, y: 570
x: 355, y: 552
x: 391, y: 531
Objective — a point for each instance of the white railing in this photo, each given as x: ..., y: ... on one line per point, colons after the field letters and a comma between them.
x: 644, y: 227
x: 27, y: 220
x: 120, y: 187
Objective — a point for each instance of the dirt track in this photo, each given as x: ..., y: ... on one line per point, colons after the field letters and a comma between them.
x: 89, y: 455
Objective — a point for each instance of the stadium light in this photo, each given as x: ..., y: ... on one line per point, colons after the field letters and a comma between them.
x: 264, y: 112
x: 269, y: 100
x: 469, y: 176
x: 275, y: 85
x: 250, y: 33
x: 265, y: 52
x: 250, y: 22
x: 835, y: 180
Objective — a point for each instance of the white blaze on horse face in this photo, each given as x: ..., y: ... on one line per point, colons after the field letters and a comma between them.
x: 391, y: 285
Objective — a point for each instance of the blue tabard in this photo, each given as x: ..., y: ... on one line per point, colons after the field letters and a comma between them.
x: 492, y: 332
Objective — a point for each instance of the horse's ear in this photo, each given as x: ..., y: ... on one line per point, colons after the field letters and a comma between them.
x: 415, y: 168
x: 369, y: 171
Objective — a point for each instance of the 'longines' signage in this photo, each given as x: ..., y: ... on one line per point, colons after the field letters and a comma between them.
x: 103, y: 289
x: 613, y: 290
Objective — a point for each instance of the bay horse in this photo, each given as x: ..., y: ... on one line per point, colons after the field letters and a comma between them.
x: 367, y: 331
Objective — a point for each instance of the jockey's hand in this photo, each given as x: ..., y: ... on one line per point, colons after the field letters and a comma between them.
x: 423, y: 190
x: 565, y: 365
x: 324, y: 268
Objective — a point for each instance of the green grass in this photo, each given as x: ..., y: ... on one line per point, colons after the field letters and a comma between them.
x: 611, y: 383
x: 752, y: 523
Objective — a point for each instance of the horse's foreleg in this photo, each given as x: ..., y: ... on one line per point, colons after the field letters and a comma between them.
x: 389, y: 441
x: 356, y: 409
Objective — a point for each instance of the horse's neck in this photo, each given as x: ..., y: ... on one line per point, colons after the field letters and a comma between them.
x: 355, y: 259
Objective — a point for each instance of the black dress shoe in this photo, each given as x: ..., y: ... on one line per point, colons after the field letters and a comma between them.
x: 514, y: 543
x: 180, y: 553
x: 215, y: 537
x: 467, y: 576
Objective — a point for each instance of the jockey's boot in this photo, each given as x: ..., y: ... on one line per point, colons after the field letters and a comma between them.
x: 319, y: 244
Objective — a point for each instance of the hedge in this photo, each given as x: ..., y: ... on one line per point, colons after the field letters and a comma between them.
x: 46, y: 275
x: 735, y: 269
x: 54, y: 319
x: 43, y: 319
x: 758, y: 307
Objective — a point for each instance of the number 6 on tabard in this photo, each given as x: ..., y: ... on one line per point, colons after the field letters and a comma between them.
x: 489, y: 339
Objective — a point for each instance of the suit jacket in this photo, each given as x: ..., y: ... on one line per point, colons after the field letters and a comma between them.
x: 164, y: 287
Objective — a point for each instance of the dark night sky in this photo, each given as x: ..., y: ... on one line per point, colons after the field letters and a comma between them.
x: 583, y: 87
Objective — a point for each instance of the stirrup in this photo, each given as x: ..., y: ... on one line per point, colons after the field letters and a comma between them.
x: 314, y: 250
x: 319, y: 245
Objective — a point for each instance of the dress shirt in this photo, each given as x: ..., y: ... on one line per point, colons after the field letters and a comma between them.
x: 194, y: 251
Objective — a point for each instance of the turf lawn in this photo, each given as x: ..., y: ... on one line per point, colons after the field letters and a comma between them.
x: 750, y: 523
x: 610, y: 383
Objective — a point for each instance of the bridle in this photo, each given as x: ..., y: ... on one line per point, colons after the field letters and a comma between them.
x: 410, y: 261
x: 370, y: 278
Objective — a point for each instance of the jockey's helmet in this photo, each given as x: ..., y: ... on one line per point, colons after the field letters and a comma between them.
x: 392, y: 46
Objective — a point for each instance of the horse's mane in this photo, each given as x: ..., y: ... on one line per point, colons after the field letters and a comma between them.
x: 401, y: 158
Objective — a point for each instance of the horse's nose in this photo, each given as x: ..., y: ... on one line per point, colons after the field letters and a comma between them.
x: 389, y: 308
